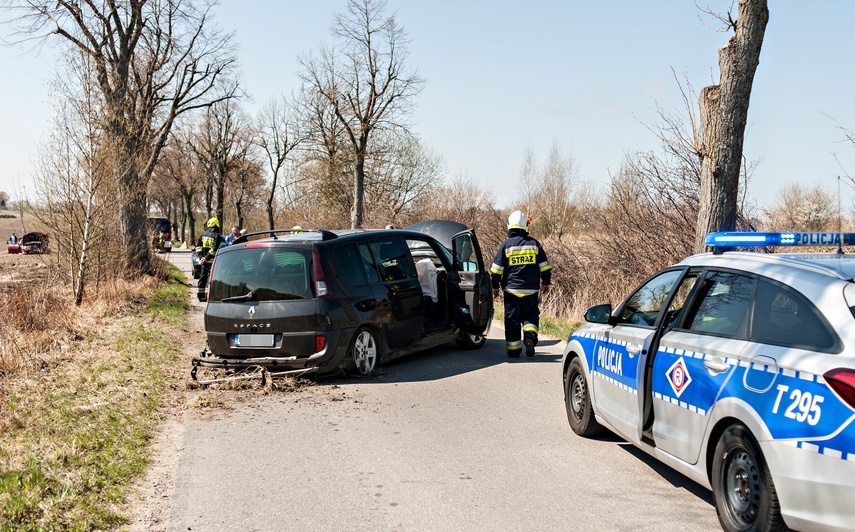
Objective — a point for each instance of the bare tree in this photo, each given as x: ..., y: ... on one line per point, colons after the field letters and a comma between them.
x: 221, y: 143
x: 402, y: 170
x: 463, y: 200
x: 278, y: 135
x: 367, y: 83
x: 807, y: 208
x: 245, y: 188
x: 528, y: 179
x: 180, y: 167
x: 723, y: 112
x: 154, y: 60
x: 555, y: 193
x: 73, y: 174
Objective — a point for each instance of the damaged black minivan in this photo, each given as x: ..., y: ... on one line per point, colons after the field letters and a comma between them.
x: 313, y: 300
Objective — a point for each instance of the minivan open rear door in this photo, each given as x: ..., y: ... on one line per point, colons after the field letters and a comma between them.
x: 469, y: 284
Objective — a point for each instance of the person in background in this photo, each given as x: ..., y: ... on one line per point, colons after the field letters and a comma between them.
x: 519, y: 269
x: 13, y: 239
x: 207, y: 245
x: 230, y: 238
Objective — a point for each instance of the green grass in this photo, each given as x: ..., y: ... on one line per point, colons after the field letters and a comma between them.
x: 549, y: 325
x: 76, y: 439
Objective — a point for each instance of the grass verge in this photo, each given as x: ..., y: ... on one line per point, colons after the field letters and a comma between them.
x: 549, y: 325
x: 74, y: 436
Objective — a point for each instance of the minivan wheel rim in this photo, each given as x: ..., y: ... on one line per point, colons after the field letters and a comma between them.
x: 364, y: 352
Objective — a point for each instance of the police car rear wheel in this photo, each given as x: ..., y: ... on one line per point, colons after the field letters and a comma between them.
x: 745, y: 496
x: 364, y: 350
x: 577, y: 400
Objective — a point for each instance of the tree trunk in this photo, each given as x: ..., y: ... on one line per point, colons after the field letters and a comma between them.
x: 270, y: 199
x: 84, y: 252
x: 724, y: 114
x: 191, y: 221
x: 358, y: 193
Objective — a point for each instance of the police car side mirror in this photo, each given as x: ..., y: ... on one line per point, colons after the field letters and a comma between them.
x: 599, y: 314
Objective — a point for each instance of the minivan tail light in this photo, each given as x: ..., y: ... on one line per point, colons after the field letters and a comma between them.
x: 320, y: 343
x: 323, y: 288
x: 842, y: 381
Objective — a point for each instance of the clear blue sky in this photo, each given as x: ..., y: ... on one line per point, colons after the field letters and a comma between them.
x: 502, y: 76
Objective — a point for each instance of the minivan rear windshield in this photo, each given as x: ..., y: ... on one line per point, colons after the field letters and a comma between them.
x: 261, y: 274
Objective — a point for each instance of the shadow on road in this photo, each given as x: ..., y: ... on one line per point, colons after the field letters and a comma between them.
x: 674, y: 478
x: 447, y: 360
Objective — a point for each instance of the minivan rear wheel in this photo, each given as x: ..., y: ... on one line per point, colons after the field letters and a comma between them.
x: 471, y: 341
x: 364, y: 350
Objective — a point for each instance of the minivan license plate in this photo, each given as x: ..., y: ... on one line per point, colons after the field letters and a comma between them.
x: 253, y: 340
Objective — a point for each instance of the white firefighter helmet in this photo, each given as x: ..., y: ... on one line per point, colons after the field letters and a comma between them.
x: 518, y: 220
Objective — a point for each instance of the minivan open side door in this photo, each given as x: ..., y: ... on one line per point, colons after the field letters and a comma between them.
x: 469, y: 284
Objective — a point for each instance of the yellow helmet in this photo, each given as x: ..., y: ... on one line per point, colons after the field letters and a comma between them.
x: 213, y: 222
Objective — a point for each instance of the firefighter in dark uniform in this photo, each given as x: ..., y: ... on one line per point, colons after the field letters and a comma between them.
x: 522, y: 271
x: 206, y: 247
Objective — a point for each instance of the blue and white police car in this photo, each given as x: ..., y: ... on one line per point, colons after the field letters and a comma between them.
x: 736, y: 369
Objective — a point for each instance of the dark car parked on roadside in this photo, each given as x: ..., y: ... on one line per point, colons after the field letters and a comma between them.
x: 306, y: 300
x: 197, y: 264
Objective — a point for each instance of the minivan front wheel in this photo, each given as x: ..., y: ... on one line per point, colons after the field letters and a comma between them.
x: 364, y: 350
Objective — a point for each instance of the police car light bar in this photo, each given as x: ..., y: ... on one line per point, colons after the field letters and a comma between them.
x: 733, y: 239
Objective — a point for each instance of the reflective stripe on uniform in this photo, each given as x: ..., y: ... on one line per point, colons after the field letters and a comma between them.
x: 521, y: 255
x: 530, y: 327
x: 514, y: 346
x: 544, y: 266
x: 495, y: 268
x: 521, y: 292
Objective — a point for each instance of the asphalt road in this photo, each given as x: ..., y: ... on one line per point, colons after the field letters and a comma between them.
x: 444, y: 440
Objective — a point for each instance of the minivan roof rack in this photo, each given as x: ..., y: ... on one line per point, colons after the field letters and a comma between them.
x: 325, y: 235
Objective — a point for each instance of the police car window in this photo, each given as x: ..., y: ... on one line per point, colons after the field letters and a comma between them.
x: 725, y: 299
x: 783, y: 317
x: 679, y: 300
x: 644, y: 305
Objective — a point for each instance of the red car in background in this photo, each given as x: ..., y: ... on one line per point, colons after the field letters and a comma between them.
x: 30, y: 243
x: 160, y: 232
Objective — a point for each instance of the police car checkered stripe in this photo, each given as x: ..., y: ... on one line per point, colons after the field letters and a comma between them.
x: 755, y: 366
x: 729, y: 360
x: 622, y: 343
x: 825, y: 451
x: 619, y: 384
x: 681, y: 404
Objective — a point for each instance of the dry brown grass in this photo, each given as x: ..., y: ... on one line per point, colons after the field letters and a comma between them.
x: 40, y: 321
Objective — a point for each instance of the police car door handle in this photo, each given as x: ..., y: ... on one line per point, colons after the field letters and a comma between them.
x: 633, y: 350
x: 716, y: 364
